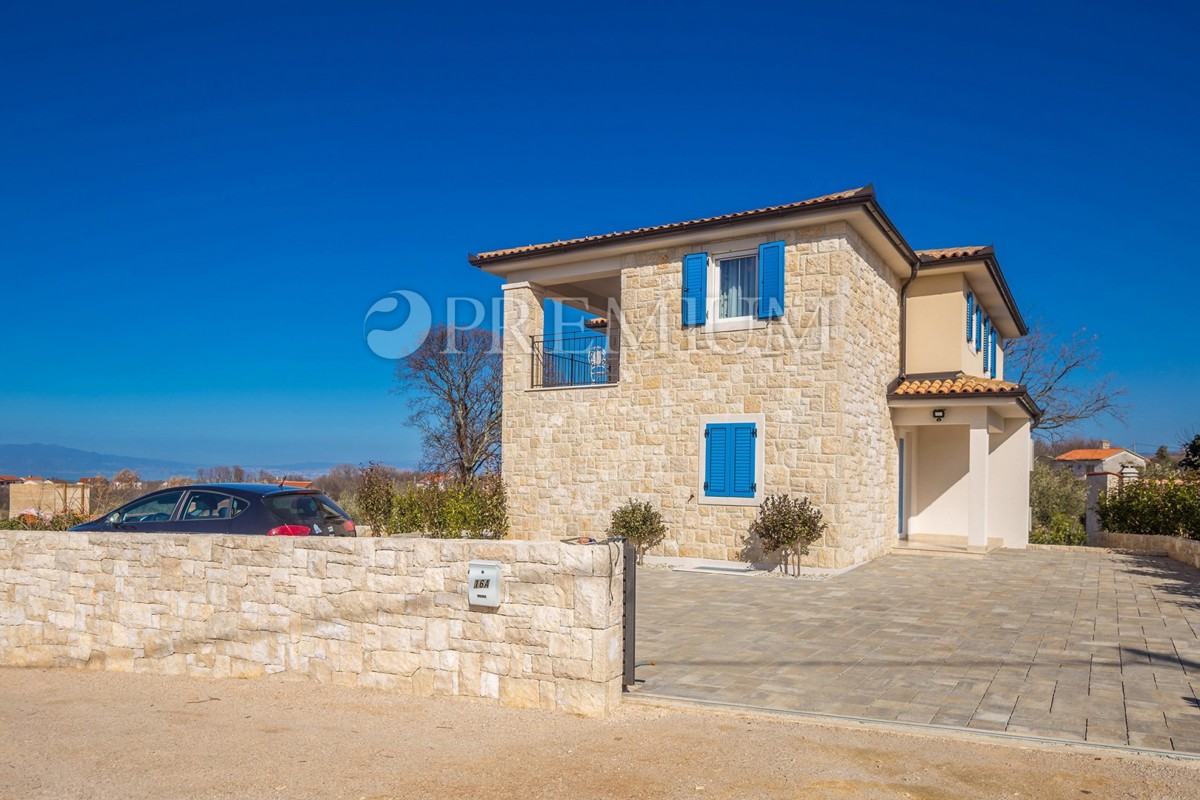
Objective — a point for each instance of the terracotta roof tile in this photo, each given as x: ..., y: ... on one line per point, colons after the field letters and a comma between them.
x: 958, y: 385
x: 946, y: 253
x: 864, y: 191
x: 1095, y: 454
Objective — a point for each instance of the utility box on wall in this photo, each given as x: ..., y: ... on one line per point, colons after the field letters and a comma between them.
x: 483, y: 583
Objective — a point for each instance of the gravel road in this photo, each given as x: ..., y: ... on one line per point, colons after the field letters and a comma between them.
x: 73, y: 734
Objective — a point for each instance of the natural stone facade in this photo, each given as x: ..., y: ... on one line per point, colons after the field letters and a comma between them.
x: 383, y: 613
x: 818, y: 376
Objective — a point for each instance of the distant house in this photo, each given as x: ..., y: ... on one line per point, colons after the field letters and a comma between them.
x: 1115, y: 460
x: 7, y: 479
x: 433, y: 479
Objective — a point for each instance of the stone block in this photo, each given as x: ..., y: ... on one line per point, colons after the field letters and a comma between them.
x: 393, y: 662
x: 519, y: 692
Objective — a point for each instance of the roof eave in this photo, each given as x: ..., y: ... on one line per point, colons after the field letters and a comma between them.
x: 1020, y: 395
x: 987, y: 255
x: 864, y: 197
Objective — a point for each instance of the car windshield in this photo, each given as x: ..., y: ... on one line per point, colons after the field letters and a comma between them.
x: 304, y: 509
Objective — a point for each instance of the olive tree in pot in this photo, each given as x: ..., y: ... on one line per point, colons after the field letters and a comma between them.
x: 640, y: 523
x: 785, y: 527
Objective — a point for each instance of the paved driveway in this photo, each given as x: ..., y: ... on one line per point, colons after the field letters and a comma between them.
x: 1075, y: 645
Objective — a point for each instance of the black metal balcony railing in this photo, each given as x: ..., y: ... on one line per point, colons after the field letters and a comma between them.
x: 576, y: 359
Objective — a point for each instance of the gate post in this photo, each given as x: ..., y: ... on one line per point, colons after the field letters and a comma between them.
x: 630, y: 613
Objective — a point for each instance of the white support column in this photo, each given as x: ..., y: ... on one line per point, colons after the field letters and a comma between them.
x: 977, y: 487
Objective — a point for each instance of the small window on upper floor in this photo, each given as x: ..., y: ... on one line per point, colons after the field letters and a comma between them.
x: 738, y: 286
x: 987, y: 327
x: 734, y: 290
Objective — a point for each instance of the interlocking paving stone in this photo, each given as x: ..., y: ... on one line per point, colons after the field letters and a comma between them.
x: 1080, y: 645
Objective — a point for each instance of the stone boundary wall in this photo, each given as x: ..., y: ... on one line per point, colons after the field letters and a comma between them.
x: 387, y: 613
x: 1185, y: 551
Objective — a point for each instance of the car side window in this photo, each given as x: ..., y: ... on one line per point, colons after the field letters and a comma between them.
x: 151, y: 509
x: 239, y: 505
x: 208, y: 506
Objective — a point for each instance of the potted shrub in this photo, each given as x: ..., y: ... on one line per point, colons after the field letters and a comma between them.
x: 785, y: 527
x: 640, y: 523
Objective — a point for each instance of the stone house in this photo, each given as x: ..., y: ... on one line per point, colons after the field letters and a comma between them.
x: 804, y: 349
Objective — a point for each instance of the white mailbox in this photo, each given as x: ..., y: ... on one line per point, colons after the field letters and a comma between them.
x: 483, y: 583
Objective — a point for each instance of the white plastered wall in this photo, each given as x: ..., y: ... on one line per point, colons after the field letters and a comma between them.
x: 939, y: 473
x: 940, y: 490
x: 1009, y: 464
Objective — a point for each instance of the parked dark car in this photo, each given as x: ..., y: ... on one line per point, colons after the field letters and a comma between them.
x: 241, y: 508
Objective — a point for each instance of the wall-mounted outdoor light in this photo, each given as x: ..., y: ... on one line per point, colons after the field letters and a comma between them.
x: 939, y: 414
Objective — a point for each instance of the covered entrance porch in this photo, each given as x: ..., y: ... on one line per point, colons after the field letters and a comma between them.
x: 964, y: 464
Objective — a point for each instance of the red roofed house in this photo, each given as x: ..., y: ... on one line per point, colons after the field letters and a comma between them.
x: 801, y: 349
x: 1114, y: 460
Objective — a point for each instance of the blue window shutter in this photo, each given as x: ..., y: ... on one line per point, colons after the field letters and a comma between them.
x: 770, y: 280
x: 992, y: 350
x: 716, y: 460
x: 978, y: 328
x: 695, y: 273
x: 987, y: 327
x: 970, y: 314
x: 742, y: 460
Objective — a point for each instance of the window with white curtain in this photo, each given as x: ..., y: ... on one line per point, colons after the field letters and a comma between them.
x: 738, y: 279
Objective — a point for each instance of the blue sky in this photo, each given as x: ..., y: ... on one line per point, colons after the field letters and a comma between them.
x: 201, y: 201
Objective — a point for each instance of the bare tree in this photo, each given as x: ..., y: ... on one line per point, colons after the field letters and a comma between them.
x: 453, y: 380
x: 1060, y: 375
x: 1047, y: 449
x: 223, y: 474
x: 127, y: 476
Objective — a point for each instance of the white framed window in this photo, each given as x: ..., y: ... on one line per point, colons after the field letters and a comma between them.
x: 733, y: 287
x: 737, y: 287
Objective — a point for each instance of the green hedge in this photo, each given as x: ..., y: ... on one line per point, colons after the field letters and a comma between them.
x: 1058, y: 501
x: 1164, y: 507
x: 1061, y: 529
x: 464, y: 511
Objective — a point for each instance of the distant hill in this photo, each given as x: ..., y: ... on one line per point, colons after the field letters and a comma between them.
x: 54, y: 461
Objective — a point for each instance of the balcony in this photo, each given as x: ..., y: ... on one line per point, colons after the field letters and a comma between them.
x: 586, y: 358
